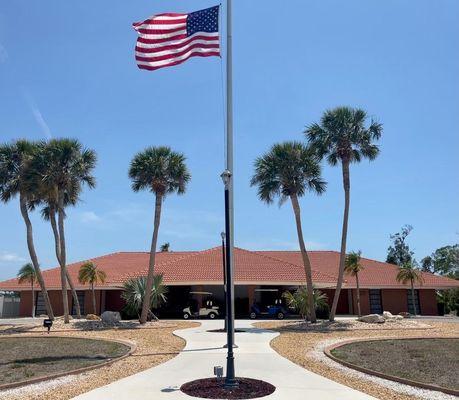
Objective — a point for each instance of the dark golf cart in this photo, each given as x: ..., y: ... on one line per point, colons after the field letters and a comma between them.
x: 268, y: 303
x: 206, y: 310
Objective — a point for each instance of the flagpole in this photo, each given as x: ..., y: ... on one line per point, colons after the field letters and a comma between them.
x: 228, y: 178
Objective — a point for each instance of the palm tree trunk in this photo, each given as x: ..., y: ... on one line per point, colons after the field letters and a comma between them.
x: 151, y: 264
x: 33, y: 299
x: 412, y: 297
x: 358, y: 295
x: 33, y: 256
x: 304, y: 254
x: 94, y: 307
x: 342, y: 256
x: 60, y: 221
x: 52, y: 219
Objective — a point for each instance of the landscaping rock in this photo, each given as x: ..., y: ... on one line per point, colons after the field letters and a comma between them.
x: 110, y: 317
x: 390, y: 317
x: 372, y: 319
x: 93, y: 317
x: 405, y: 314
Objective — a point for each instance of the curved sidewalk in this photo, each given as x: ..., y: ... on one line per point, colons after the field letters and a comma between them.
x: 254, y: 358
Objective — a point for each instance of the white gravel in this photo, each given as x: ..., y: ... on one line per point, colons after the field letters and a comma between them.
x: 37, y: 388
x: 319, y: 355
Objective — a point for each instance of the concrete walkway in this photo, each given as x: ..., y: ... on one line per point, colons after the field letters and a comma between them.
x: 254, y: 359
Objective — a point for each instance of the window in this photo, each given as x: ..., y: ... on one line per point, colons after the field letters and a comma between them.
x: 375, y: 301
x: 40, y: 308
x: 410, y: 301
x: 80, y: 295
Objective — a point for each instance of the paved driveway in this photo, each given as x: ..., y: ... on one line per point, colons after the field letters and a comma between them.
x: 254, y: 358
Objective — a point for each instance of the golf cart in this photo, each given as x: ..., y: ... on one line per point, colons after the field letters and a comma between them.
x: 268, y: 303
x: 206, y: 310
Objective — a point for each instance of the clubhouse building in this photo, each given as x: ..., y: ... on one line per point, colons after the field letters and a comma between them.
x: 201, y: 271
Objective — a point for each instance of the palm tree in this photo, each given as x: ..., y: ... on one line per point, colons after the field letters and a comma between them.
x: 409, y: 273
x: 134, y: 294
x: 27, y: 274
x: 165, y: 247
x: 14, y: 163
x: 63, y: 166
x: 353, y: 268
x: 299, y: 300
x: 288, y: 171
x: 343, y: 137
x: 89, y: 273
x: 161, y: 171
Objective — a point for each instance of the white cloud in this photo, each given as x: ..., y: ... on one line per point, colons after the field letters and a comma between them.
x: 37, y: 114
x: 3, y: 54
x: 7, y: 257
x: 89, y: 216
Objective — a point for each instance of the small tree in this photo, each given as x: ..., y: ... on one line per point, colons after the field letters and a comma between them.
x: 409, y: 273
x: 134, y: 294
x: 165, y: 247
x: 353, y: 267
x: 299, y: 300
x: 27, y: 274
x: 89, y: 273
x: 399, y: 252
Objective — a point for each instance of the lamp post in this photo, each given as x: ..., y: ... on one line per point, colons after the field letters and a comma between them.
x: 230, y: 380
x: 223, y: 235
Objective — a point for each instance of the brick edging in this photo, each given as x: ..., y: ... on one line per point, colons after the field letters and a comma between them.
x: 132, y: 348
x: 327, y: 352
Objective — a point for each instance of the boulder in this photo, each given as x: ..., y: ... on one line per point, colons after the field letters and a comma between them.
x: 110, y: 317
x: 387, y: 315
x: 92, y: 317
x: 405, y: 314
x: 372, y: 319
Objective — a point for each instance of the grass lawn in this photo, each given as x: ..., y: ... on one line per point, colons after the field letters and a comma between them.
x: 431, y: 361
x: 23, y: 358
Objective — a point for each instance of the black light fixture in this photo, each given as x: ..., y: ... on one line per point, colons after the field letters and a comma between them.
x: 230, y: 379
x: 47, y: 323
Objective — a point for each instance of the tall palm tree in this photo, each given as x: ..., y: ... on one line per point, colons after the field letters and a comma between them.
x: 353, y: 267
x: 64, y: 166
x: 409, y: 273
x: 14, y: 163
x: 27, y: 274
x: 134, y: 294
x: 89, y: 273
x: 343, y: 137
x: 161, y: 171
x: 287, y: 171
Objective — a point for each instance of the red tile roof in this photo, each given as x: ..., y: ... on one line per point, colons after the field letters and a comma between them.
x: 255, y: 267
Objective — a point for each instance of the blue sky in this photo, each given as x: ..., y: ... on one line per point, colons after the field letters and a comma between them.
x: 68, y: 69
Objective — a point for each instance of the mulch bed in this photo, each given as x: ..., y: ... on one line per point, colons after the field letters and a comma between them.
x: 212, y: 388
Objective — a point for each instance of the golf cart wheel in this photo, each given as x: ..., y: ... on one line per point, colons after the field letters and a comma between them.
x: 186, y: 316
x: 280, y: 315
x: 253, y: 315
x: 212, y: 315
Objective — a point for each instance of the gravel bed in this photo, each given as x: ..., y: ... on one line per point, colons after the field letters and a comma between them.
x: 154, y: 346
x: 305, y: 346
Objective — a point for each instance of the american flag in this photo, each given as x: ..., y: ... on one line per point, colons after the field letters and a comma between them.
x: 171, y: 39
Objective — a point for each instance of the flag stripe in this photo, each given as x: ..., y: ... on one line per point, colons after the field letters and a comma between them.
x: 146, y: 32
x: 162, y: 64
x: 174, y: 45
x: 150, y: 43
x: 168, y: 54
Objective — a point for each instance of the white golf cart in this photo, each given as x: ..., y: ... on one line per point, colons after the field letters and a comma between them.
x: 206, y: 310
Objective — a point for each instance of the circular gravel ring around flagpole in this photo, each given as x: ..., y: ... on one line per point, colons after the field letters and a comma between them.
x: 213, y: 388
